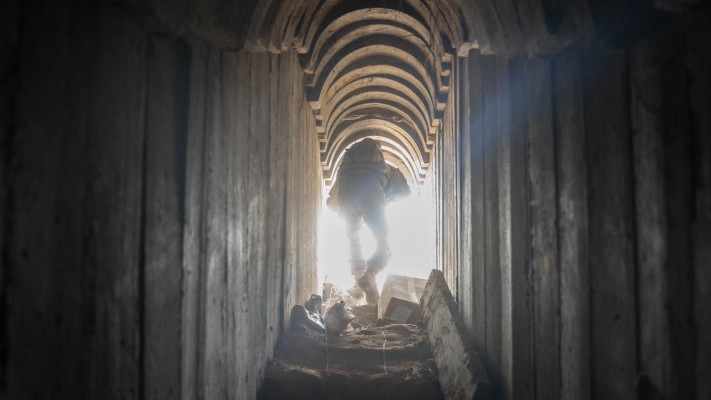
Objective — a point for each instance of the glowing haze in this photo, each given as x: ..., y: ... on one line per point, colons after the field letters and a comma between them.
x: 411, y: 235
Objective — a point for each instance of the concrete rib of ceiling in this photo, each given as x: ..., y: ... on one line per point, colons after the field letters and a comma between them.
x: 379, y: 69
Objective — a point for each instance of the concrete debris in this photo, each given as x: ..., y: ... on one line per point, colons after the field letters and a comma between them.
x: 338, y: 317
x: 309, y: 315
x: 461, y: 372
x: 301, y: 318
x: 400, y: 299
x: 389, y: 362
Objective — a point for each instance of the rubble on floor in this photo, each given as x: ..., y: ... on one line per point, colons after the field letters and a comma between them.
x: 388, y: 361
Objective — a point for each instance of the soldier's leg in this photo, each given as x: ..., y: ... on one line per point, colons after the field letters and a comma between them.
x: 353, y: 225
x: 375, y: 219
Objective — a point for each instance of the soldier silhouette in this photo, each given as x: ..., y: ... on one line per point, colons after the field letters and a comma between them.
x: 364, y: 185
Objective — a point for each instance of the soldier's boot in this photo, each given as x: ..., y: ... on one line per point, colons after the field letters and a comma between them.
x: 356, y: 292
x: 375, y: 264
x: 370, y: 287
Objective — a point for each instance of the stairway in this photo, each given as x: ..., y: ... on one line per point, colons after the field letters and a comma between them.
x: 369, y: 362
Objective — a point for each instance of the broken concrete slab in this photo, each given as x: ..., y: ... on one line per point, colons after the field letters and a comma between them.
x: 399, y: 299
x: 462, y: 374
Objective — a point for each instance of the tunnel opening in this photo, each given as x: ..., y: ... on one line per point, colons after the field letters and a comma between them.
x: 411, y: 231
x: 385, y: 71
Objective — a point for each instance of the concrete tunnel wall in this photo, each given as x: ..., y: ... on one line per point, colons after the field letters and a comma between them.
x: 584, y: 224
x: 573, y: 202
x: 148, y: 247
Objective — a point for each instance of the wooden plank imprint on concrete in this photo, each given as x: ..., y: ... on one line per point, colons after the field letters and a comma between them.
x: 461, y: 371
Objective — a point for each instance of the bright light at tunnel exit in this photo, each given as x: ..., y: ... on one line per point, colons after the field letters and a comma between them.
x: 411, y: 227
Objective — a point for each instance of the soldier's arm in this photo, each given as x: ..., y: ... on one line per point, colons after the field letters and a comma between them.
x: 398, y: 184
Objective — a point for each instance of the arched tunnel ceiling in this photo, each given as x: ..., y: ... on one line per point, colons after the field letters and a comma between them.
x: 379, y: 69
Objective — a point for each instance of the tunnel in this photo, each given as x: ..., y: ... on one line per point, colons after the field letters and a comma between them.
x: 165, y: 163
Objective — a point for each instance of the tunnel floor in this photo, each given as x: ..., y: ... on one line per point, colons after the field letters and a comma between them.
x: 374, y: 360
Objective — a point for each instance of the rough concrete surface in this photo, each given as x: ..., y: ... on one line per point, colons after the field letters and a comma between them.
x: 461, y: 372
x: 160, y: 189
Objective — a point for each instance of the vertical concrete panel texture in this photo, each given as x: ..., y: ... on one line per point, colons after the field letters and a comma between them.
x: 572, y: 222
x: 461, y: 373
x: 275, y: 221
x: 604, y: 207
x: 697, y: 33
x: 465, y: 255
x: 26, y: 267
x: 543, y: 216
x: 610, y: 209
x: 478, y: 307
x: 646, y: 72
x: 164, y: 182
x: 492, y: 274
x: 519, y: 354
x: 504, y: 166
x: 678, y: 177
x: 215, y: 297
x: 160, y: 194
x: 140, y: 177
x: 193, y: 235
x: 449, y: 175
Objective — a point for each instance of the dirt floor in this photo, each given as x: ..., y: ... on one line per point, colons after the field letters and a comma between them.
x: 372, y: 360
